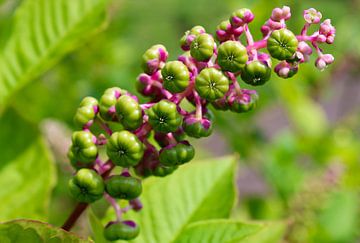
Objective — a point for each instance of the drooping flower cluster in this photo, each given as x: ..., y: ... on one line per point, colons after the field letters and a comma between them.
x: 150, y: 139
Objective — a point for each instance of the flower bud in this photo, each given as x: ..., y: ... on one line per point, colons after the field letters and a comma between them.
x: 285, y: 69
x: 328, y: 31
x: 240, y: 17
x: 312, y: 16
x: 322, y: 62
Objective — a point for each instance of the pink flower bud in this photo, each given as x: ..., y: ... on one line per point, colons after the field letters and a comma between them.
x: 322, y: 62
x: 304, y: 48
x: 274, y: 25
x: 327, y: 30
x: 286, y: 13
x: 312, y: 16
x: 276, y: 14
x: 285, y: 69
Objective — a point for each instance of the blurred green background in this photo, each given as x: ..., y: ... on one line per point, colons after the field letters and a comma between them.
x: 299, y: 150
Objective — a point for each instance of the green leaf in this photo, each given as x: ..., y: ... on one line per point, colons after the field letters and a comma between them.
x: 97, y: 227
x: 196, y: 191
x: 229, y: 231
x: 43, y: 32
x: 27, y: 172
x: 215, y: 231
x: 31, y: 231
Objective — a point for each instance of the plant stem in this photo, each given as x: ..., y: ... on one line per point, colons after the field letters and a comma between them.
x: 79, y: 209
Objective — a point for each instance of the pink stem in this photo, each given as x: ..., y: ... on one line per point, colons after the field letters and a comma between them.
x: 115, y: 205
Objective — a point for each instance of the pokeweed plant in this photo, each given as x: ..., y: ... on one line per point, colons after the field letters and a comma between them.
x: 149, y: 139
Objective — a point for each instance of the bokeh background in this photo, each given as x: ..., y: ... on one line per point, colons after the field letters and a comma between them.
x: 299, y: 150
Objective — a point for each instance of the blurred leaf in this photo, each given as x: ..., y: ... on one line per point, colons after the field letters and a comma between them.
x: 270, y: 233
x: 31, y: 231
x: 27, y: 173
x: 43, y: 32
x: 194, y: 192
x: 96, y: 227
x: 339, y: 221
x: 215, y: 231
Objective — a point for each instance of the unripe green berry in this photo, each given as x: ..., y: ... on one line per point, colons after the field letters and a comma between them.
x: 85, y: 113
x: 86, y: 186
x: 83, y: 148
x: 282, y: 44
x: 108, y: 100
x: 123, y: 187
x: 256, y: 73
x: 175, y: 76
x: 232, y: 56
x: 126, y: 230
x: 129, y: 112
x: 197, y: 30
x: 89, y: 101
x: 151, y: 55
x: 164, y: 117
x: 162, y: 170
x: 124, y: 148
x: 202, y: 48
x: 197, y: 128
x: 83, y: 116
x: 241, y: 105
x: 211, y: 84
x: 176, y: 155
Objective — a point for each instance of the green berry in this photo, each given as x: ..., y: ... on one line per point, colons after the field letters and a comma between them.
x: 175, y: 76
x: 108, y: 100
x: 129, y: 112
x: 211, y: 84
x: 151, y: 55
x: 244, y: 105
x: 126, y: 230
x: 123, y: 187
x: 86, y: 186
x: 83, y: 116
x: 83, y: 148
x: 197, y: 30
x: 85, y: 113
x: 202, y: 48
x: 197, y: 128
x: 176, y: 155
x: 256, y: 73
x: 89, y: 101
x: 282, y: 44
x: 164, y: 117
x: 124, y: 148
x: 232, y: 56
x: 162, y: 170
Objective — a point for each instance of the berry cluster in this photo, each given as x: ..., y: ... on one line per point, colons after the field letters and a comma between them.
x: 150, y: 139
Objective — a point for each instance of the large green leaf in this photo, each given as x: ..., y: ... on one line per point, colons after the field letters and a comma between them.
x: 27, y: 173
x: 228, y: 231
x: 43, y: 32
x: 31, y: 231
x: 196, y: 191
